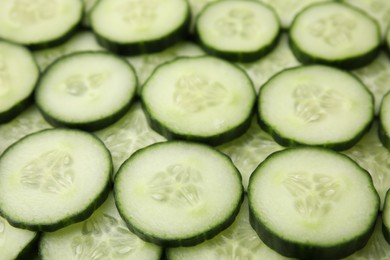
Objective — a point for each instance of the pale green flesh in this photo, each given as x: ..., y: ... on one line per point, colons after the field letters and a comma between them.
x: 137, y: 20
x: 13, y: 240
x: 131, y: 133
x: 370, y: 154
x: 202, y: 96
x: 237, y: 26
x: 13, y: 87
x: 334, y: 31
x: 86, y: 87
x: 82, y: 41
x: 51, y: 175
x: 29, y: 121
x: 38, y: 21
x: 319, y: 105
x: 183, y: 184
x: 317, y: 193
x: 238, y: 241
x: 102, y: 236
x: 262, y: 70
x: 386, y: 212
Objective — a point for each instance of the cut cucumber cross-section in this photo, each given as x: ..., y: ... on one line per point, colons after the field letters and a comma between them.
x: 202, y: 99
x: 139, y: 26
x: 53, y: 178
x: 238, y: 30
x: 336, y: 34
x: 86, y: 90
x: 315, y: 105
x: 312, y: 203
x: 18, y: 76
x: 386, y: 217
x: 39, y: 23
x: 178, y: 193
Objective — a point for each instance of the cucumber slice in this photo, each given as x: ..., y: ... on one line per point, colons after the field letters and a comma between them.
x: 102, y: 236
x: 202, y: 99
x: 178, y: 193
x: 39, y: 23
x: 315, y: 105
x: 386, y: 217
x: 384, y: 121
x: 376, y: 248
x: 61, y: 182
x: 288, y: 9
x: 15, y: 90
x: 377, y: 9
x: 138, y: 26
x: 335, y: 34
x: 15, y: 243
x: 249, y: 150
x: 239, y: 241
x: 238, y: 30
x: 86, y: 90
x: 129, y: 134
x: 312, y: 203
x: 371, y: 155
x: 278, y: 59
x: 28, y: 122
x: 376, y: 76
x: 81, y: 41
x: 145, y: 64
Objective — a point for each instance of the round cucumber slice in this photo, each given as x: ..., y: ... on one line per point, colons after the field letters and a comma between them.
x: 86, y: 90
x: 53, y: 178
x: 312, y: 203
x: 386, y: 217
x: 178, y: 193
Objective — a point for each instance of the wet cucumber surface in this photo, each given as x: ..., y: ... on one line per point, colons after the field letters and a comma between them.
x: 103, y: 233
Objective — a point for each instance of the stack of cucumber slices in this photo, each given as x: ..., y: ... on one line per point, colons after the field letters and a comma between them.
x: 194, y: 129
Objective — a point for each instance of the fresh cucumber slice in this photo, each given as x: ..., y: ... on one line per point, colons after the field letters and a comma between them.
x: 238, y: 30
x: 371, y: 155
x: 315, y: 105
x: 29, y: 121
x: 15, y: 243
x: 15, y: 88
x: 249, y: 150
x: 278, y: 59
x: 200, y: 99
x: 81, y: 41
x: 239, y: 241
x: 145, y: 64
x: 335, y: 34
x: 312, y: 203
x: 129, y: 134
x: 377, y: 9
x: 376, y: 76
x: 386, y: 217
x: 53, y: 178
x: 86, y: 90
x: 384, y: 121
x: 288, y: 9
x: 178, y: 193
x: 376, y: 248
x: 138, y: 26
x: 39, y: 23
x: 104, y: 235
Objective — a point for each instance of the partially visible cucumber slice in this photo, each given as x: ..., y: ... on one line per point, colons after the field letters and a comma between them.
x: 239, y: 241
x: 312, y: 203
x: 40, y: 23
x: 178, y: 193
x: 53, y: 178
x: 86, y: 90
x: 138, y: 26
x: 18, y: 76
x: 104, y: 235
x: 238, y: 30
x: 335, y: 34
x: 386, y: 217
x: 315, y: 105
